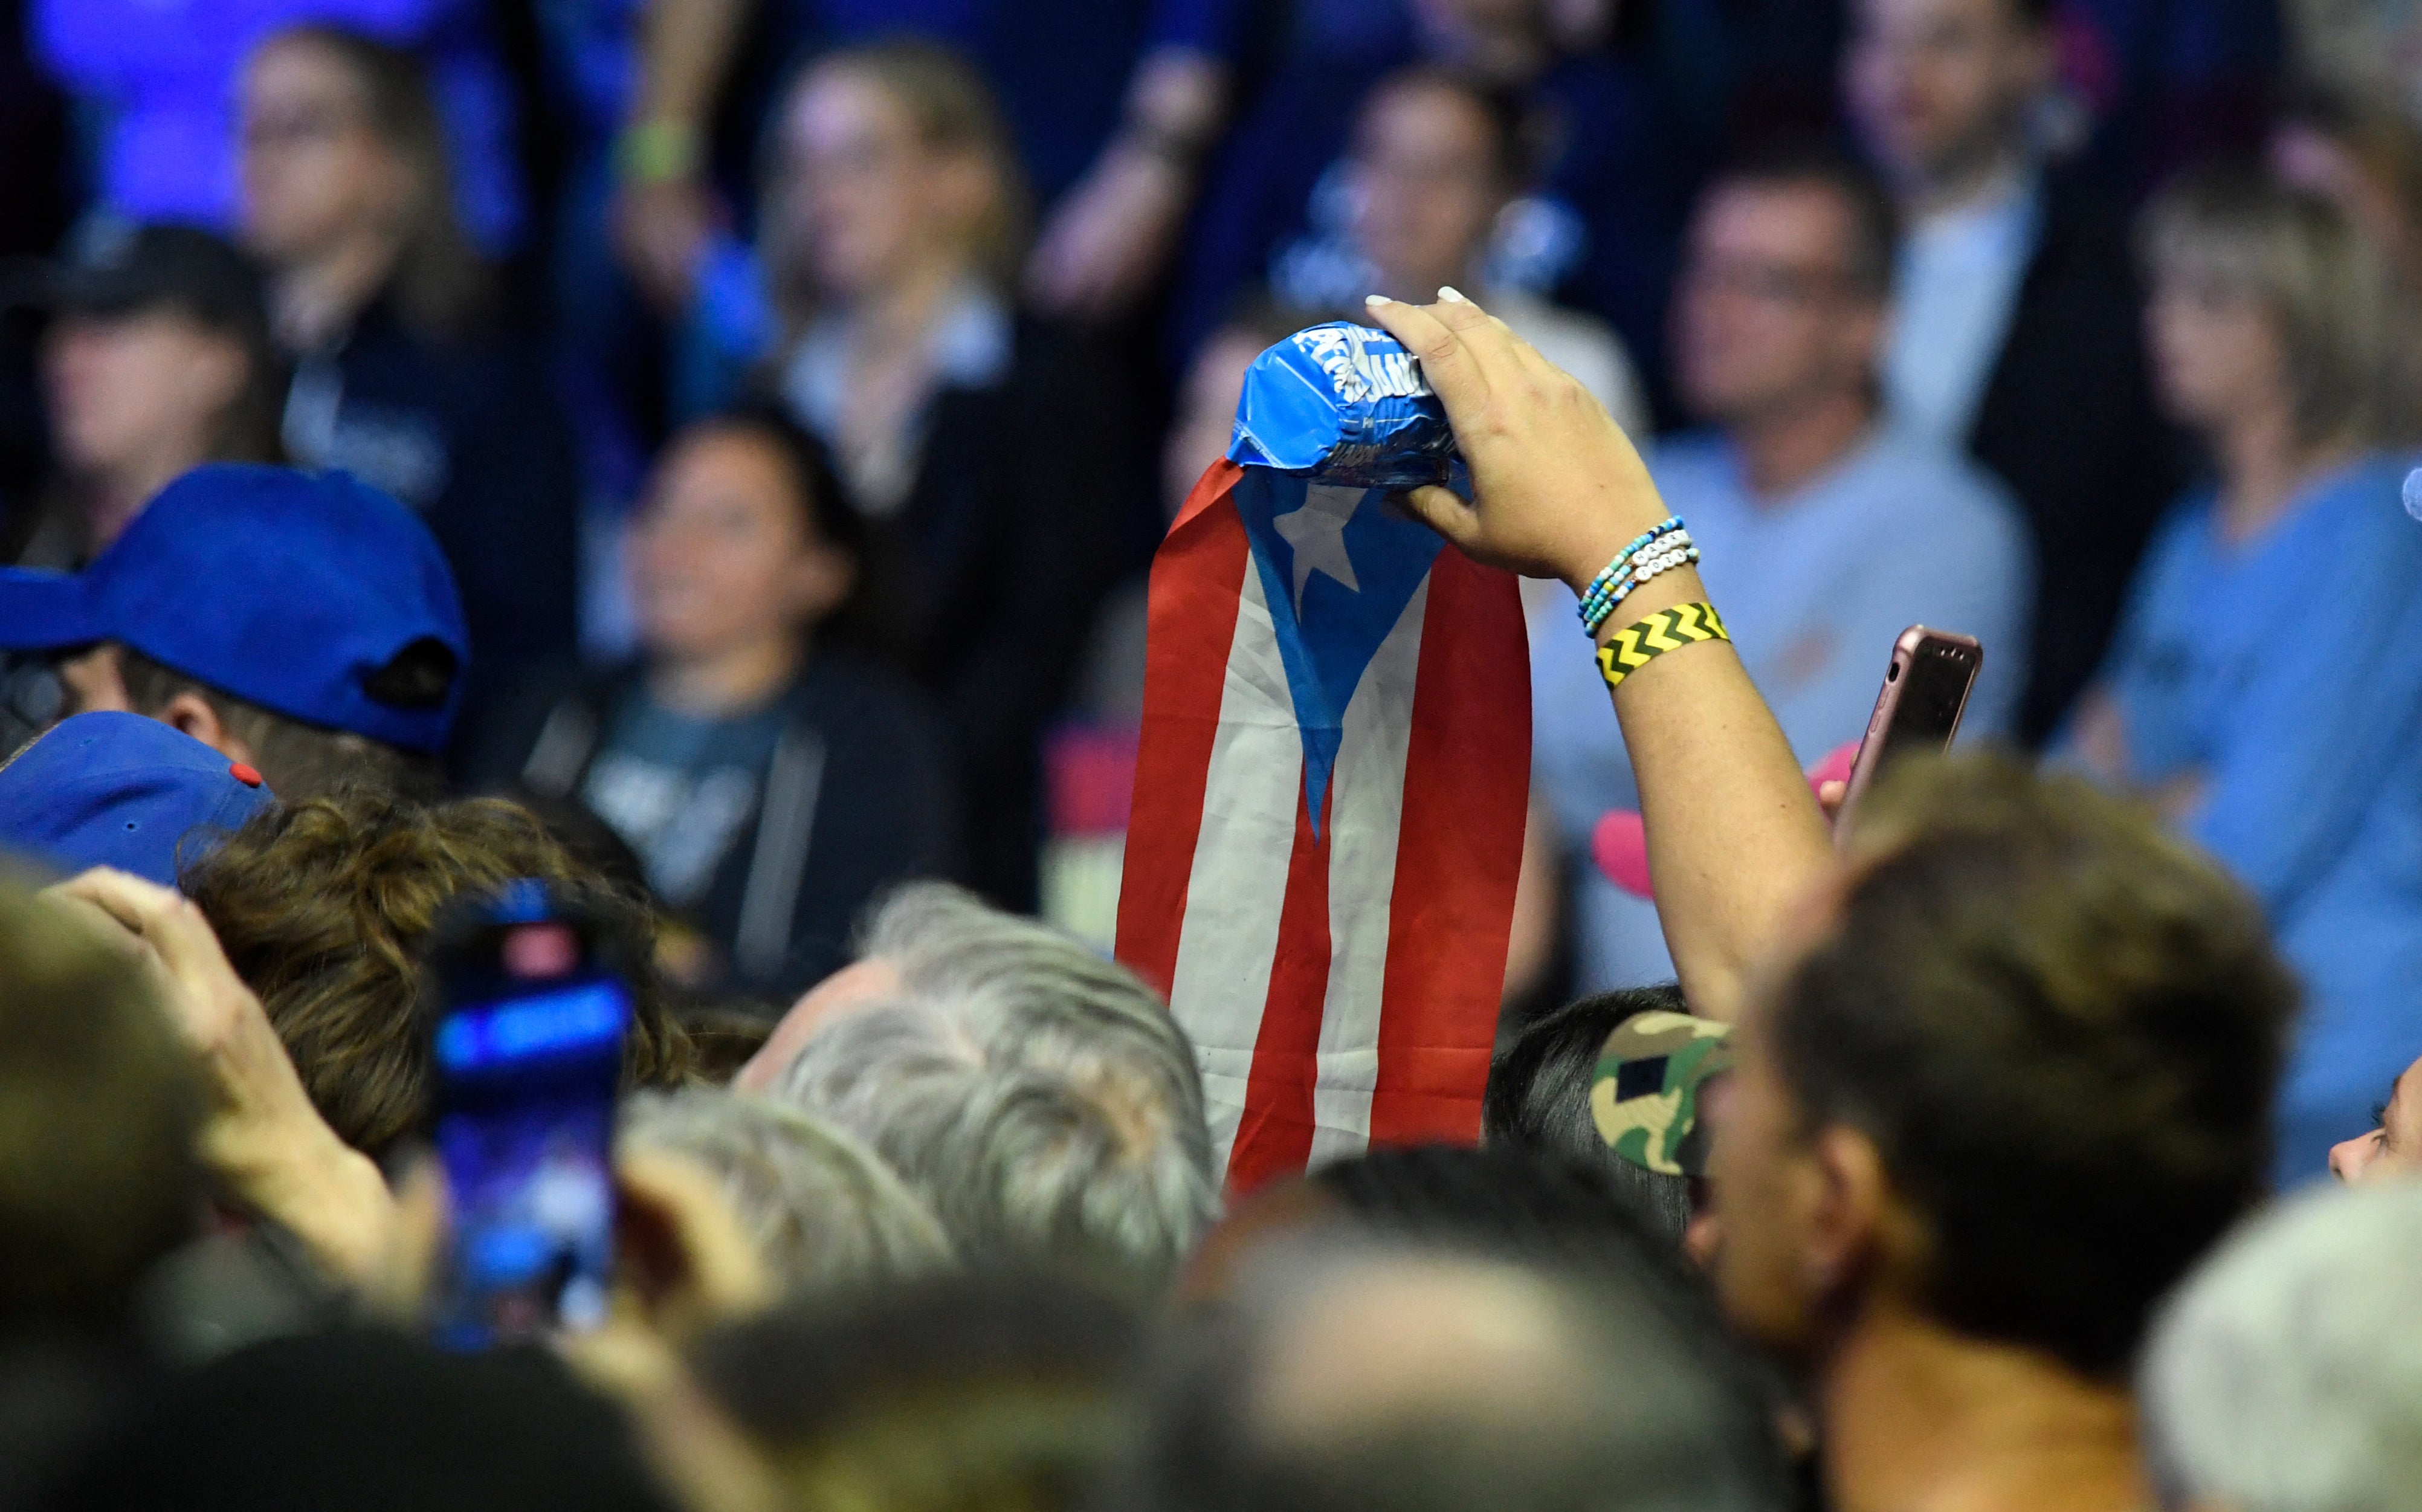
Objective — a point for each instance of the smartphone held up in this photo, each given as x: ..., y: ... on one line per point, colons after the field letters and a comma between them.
x: 1918, y: 711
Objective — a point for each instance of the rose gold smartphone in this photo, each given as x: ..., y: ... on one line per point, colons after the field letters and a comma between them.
x: 1925, y: 691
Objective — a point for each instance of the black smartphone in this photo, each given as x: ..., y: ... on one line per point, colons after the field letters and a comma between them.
x: 1918, y: 711
x: 526, y: 1039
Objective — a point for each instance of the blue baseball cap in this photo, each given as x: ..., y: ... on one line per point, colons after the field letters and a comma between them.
x: 120, y: 790
x: 309, y: 593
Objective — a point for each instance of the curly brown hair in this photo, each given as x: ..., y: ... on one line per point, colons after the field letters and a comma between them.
x: 323, y: 907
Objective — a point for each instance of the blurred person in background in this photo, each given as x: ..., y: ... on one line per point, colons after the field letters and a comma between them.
x: 401, y: 377
x: 1437, y: 158
x: 2280, y: 1377
x: 99, y: 1109
x: 2296, y: 759
x: 322, y: 908
x: 2015, y: 336
x: 994, y: 1390
x: 1037, y: 1097
x: 2392, y: 1147
x: 155, y: 81
x: 1387, y: 1374
x: 1828, y: 528
x: 995, y: 457
x: 826, y: 1217
x: 157, y: 359
x: 2006, y: 1077
x: 770, y: 780
x: 302, y: 625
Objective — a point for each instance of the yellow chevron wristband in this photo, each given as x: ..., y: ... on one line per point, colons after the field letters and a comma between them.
x: 1635, y: 646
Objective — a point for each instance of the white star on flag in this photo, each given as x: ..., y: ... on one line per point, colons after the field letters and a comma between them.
x: 1316, y: 532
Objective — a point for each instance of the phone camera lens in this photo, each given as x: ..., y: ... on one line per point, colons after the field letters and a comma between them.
x: 1892, y: 673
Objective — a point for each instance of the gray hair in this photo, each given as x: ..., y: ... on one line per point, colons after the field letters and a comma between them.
x: 824, y: 1213
x: 1038, y: 1096
x: 2284, y: 1375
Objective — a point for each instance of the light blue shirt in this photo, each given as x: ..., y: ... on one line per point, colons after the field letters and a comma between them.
x: 2287, y: 671
x: 1816, y: 587
x: 1958, y: 282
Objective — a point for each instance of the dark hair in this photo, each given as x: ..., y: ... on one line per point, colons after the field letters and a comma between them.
x: 99, y: 1108
x: 356, y: 1417
x: 1636, y: 1407
x: 297, y: 759
x: 324, y: 908
x: 2061, y: 1025
x: 1514, y: 149
x: 1802, y: 162
x: 440, y: 286
x: 1538, y: 1097
x: 997, y: 1390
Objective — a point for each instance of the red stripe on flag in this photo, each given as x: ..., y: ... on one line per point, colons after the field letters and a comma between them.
x: 1197, y: 577
x: 1274, y: 1138
x: 1458, y: 855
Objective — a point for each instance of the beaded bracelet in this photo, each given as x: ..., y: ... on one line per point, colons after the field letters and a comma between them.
x: 1635, y: 646
x: 1593, y: 596
x: 1642, y: 571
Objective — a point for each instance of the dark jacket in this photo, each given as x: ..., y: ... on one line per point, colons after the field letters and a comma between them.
x: 468, y: 435
x: 2068, y: 420
x: 988, y: 577
x: 856, y: 797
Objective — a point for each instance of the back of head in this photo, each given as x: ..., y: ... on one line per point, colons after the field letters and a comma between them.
x: 824, y: 1214
x: 1355, y: 1377
x: 1538, y: 1095
x: 2283, y: 1377
x: 99, y: 1106
x: 323, y: 905
x: 1038, y: 1096
x: 370, y: 1419
x: 2060, y: 1026
x: 994, y: 1393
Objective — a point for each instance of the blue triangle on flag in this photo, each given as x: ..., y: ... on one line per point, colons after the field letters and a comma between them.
x: 1337, y: 565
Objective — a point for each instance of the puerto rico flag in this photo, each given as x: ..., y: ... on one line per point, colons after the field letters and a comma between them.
x: 1328, y: 819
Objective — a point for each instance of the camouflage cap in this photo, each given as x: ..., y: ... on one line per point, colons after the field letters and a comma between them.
x: 1644, y: 1094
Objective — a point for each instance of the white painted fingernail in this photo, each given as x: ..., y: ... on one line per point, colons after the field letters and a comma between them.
x: 1377, y: 299
x: 1450, y: 293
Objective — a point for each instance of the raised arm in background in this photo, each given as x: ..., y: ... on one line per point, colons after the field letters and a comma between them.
x: 1734, y: 836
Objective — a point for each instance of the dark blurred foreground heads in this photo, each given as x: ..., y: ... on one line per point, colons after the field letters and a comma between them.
x: 366, y: 1418
x: 323, y: 907
x: 994, y: 1393
x: 121, y: 791
x: 2283, y: 1377
x: 1039, y: 1098
x: 1368, y: 1375
x: 2012, y: 1079
x: 302, y: 623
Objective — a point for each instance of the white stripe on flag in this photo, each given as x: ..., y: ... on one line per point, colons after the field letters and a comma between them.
x: 1236, y: 889
x: 1366, y: 809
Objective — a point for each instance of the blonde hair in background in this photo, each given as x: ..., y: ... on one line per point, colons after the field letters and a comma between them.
x: 2244, y: 232
x: 954, y: 114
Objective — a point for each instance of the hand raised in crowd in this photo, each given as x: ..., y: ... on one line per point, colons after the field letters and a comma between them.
x: 1559, y: 487
x: 265, y: 1144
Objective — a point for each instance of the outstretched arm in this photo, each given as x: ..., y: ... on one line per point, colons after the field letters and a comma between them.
x: 1734, y: 835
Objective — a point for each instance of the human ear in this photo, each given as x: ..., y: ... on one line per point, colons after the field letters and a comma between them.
x: 1846, y: 1227
x: 192, y: 714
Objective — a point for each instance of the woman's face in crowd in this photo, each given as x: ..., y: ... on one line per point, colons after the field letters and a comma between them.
x: 867, y: 198
x: 2216, y: 349
x: 722, y: 556
x: 137, y: 388
x: 314, y: 170
x: 2393, y: 1147
x: 1424, y: 188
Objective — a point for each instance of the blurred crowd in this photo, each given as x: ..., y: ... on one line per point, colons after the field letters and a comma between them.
x: 705, y: 456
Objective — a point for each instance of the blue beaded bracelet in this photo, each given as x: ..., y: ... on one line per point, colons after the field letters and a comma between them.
x: 1594, y: 597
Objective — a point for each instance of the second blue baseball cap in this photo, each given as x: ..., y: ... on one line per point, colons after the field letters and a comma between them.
x: 120, y: 790
x: 313, y: 594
